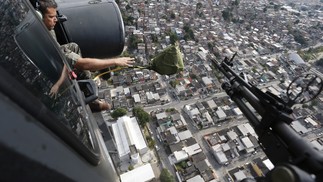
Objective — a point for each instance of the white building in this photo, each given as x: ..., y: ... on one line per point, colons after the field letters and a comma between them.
x: 237, y: 112
x: 127, y: 91
x: 298, y: 127
x: 180, y: 89
x: 150, y: 96
x: 249, y: 147
x: 246, y: 129
x: 197, y: 178
x: 126, y: 132
x: 161, y: 115
x: 192, y: 112
x: 207, y: 81
x: 136, y: 98
x: 178, y: 156
x: 192, y: 149
x: 140, y: 174
x: 185, y: 135
x: 240, y: 175
x: 310, y: 120
x: 211, y: 104
x: 219, y: 154
x: 220, y: 157
x: 121, y: 141
x: 221, y: 114
x: 232, y: 135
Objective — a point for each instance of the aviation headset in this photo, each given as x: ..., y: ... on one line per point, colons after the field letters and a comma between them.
x: 36, y: 5
x: 39, y: 11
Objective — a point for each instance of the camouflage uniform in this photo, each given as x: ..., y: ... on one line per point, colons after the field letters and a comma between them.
x: 72, y: 53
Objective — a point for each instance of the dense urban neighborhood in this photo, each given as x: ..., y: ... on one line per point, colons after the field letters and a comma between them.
x: 184, y: 127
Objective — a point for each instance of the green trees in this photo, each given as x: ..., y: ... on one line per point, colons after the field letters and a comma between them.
x: 118, y: 113
x: 319, y: 62
x: 189, y: 34
x: 173, y: 38
x: 199, y: 12
x: 130, y: 167
x: 172, y: 15
x: 298, y: 37
x: 198, y: 5
x: 143, y: 116
x: 276, y: 7
x: 128, y: 20
x: 236, y: 3
x: 151, y: 142
x: 193, y: 76
x: 227, y: 14
x: 166, y: 176
x: 128, y: 7
x: 133, y: 42
x: 173, y: 83
x: 296, y: 22
x: 154, y: 38
x: 170, y: 109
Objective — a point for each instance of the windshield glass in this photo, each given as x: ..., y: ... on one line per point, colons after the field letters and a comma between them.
x: 28, y: 53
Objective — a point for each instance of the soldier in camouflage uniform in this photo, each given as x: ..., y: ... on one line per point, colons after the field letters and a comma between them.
x: 72, y: 52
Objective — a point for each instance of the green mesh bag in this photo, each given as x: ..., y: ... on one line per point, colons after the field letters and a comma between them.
x: 168, y: 62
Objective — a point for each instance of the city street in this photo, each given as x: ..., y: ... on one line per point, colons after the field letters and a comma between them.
x: 160, y: 149
x: 199, y: 134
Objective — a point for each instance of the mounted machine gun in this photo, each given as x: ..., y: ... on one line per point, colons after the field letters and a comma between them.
x: 295, y: 159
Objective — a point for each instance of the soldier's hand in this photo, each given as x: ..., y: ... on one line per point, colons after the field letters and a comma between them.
x: 125, y: 61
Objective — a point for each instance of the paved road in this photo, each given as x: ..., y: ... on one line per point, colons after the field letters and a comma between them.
x: 179, y: 104
x: 316, y: 72
x: 163, y: 157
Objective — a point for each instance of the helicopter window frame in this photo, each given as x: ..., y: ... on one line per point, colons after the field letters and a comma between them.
x: 18, y: 92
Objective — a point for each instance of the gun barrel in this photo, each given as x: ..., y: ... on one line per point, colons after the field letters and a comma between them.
x: 278, y: 140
